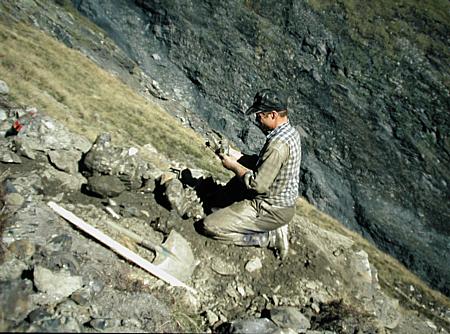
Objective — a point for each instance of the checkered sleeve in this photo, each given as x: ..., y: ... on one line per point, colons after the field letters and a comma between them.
x: 268, y: 168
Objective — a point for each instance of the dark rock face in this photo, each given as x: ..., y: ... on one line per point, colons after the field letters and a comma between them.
x: 375, y: 124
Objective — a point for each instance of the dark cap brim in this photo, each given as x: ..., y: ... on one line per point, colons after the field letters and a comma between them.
x: 258, y: 108
x: 252, y: 110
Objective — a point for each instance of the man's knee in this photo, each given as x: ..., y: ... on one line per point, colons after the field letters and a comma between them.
x: 210, y: 225
x: 220, y: 225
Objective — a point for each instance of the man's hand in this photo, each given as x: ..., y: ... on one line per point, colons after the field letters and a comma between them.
x: 231, y: 164
x: 227, y: 161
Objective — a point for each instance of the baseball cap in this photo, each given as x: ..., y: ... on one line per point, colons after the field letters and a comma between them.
x: 268, y: 100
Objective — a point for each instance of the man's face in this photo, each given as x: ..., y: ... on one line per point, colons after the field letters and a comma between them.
x: 265, y: 121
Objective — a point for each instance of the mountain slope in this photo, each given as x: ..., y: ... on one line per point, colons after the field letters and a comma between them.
x: 321, y: 244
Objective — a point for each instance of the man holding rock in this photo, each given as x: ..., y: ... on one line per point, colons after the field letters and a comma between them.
x: 261, y: 219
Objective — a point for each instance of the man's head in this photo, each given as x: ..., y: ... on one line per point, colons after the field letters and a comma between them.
x: 268, y: 100
x: 270, y: 109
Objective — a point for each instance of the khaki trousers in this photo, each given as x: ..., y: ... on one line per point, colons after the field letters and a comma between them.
x: 247, y: 222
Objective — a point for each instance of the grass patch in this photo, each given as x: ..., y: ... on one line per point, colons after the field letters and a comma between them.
x: 67, y: 86
x: 424, y: 23
x: 189, y: 323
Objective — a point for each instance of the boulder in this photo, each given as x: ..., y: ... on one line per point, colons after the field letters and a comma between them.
x: 124, y: 163
x: 65, y: 160
x: 105, y: 186
x: 57, y: 285
x: 290, y: 317
x: 4, y: 89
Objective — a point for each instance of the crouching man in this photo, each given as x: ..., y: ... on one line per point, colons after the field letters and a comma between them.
x: 261, y: 219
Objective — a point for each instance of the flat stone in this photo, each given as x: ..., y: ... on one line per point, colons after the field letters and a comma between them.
x: 56, y: 284
x: 66, y: 161
x: 82, y: 296
x: 290, y: 317
x: 12, y: 270
x: 14, y: 200
x: 9, y: 157
x: 24, y: 149
x: 223, y: 268
x: 285, y: 331
x: 22, y: 249
x: 3, y: 116
x: 68, y: 181
x: 102, y: 324
x: 106, y: 185
x: 70, y: 309
x: 175, y: 195
x: 14, y: 300
x: 387, y: 310
x: 4, y: 89
x: 261, y: 325
x: 253, y: 265
x: 211, y: 317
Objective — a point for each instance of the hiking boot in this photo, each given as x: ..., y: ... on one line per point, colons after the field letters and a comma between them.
x: 278, y: 240
x: 256, y: 239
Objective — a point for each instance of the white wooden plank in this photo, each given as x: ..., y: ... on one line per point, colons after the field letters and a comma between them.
x: 118, y: 248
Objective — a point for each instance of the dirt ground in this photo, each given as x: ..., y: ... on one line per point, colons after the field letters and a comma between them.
x: 224, y: 286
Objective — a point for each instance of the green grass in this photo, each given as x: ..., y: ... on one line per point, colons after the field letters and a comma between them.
x: 66, y: 85
x: 424, y: 23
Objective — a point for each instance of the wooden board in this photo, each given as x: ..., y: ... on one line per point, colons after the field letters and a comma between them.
x: 118, y: 248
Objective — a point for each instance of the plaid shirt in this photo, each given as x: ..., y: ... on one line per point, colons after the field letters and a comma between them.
x: 277, y: 173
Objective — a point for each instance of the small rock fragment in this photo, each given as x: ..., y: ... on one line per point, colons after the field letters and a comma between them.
x: 253, y: 265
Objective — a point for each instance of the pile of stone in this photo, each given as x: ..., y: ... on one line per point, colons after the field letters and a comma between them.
x: 52, y: 277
